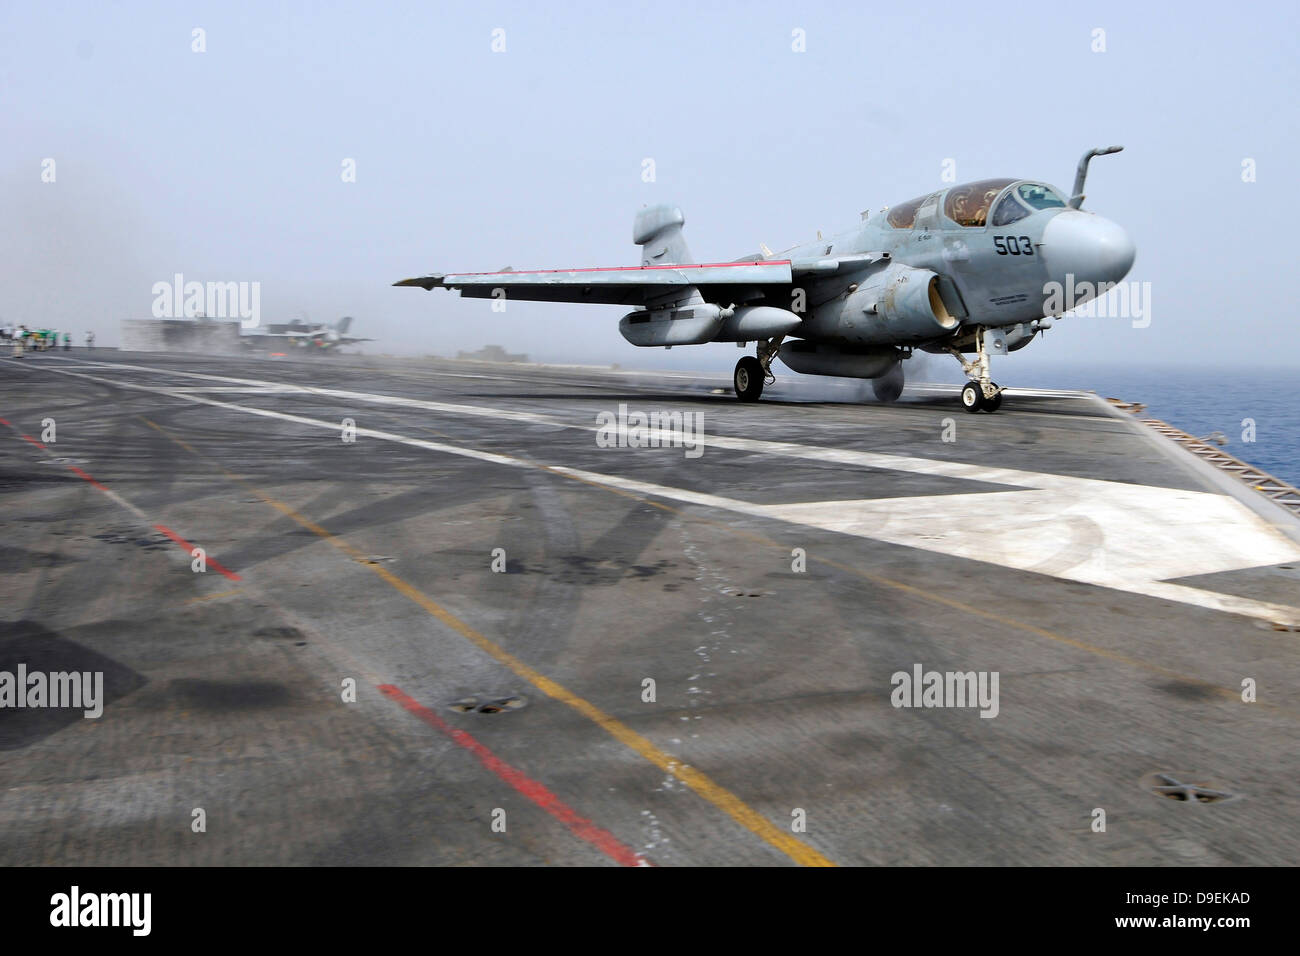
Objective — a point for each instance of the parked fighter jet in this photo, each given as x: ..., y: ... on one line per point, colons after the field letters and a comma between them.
x: 966, y: 270
x: 320, y: 337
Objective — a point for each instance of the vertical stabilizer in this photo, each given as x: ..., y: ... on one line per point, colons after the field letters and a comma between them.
x: 658, y: 231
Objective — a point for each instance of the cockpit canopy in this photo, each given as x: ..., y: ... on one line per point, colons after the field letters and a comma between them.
x: 903, y: 216
x: 1024, y: 199
x: 969, y: 204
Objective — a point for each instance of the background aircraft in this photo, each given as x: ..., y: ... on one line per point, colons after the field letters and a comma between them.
x: 976, y: 269
x: 301, y: 335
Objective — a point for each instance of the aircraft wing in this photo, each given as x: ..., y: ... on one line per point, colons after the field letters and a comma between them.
x: 620, y: 285
x: 832, y: 265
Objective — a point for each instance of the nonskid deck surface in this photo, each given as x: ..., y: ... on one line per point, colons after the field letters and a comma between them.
x: 690, y: 656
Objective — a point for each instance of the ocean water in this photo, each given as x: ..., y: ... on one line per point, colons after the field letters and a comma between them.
x: 1200, y: 402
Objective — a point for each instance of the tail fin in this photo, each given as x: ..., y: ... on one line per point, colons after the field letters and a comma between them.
x: 658, y: 231
x: 343, y: 324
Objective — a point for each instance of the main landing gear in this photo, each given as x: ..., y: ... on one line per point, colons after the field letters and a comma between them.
x: 753, y: 373
x: 981, y: 394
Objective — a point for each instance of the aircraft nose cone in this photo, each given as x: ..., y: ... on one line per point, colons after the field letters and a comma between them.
x: 1088, y: 247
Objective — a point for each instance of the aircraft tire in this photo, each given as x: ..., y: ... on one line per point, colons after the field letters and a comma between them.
x: 748, y: 379
x: 993, y: 404
x: 972, y: 397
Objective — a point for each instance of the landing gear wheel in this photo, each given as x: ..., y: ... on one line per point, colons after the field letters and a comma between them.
x: 994, y: 403
x: 890, y: 385
x: 972, y: 397
x: 748, y: 379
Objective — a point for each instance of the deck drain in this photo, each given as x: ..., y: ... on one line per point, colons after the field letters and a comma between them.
x: 1174, y: 788
x: 487, y: 705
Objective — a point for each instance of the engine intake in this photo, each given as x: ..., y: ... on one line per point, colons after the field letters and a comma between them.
x: 898, y: 304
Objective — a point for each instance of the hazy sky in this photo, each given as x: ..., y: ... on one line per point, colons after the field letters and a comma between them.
x: 226, y: 164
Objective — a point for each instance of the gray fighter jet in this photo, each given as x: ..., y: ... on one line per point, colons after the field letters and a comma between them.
x: 319, y: 338
x: 973, y: 270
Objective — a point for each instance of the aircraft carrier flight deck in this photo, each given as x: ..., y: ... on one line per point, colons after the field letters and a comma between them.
x: 365, y: 611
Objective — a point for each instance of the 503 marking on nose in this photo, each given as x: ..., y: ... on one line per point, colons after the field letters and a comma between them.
x: 1013, y: 245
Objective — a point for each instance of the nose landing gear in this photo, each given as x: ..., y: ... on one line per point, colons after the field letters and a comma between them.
x: 974, y: 400
x: 981, y: 394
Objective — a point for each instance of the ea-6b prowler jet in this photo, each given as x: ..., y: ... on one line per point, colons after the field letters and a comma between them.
x: 965, y: 270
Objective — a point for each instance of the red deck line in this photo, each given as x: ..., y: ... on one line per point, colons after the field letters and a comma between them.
x: 212, y: 562
x: 537, y: 792
x: 77, y: 471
